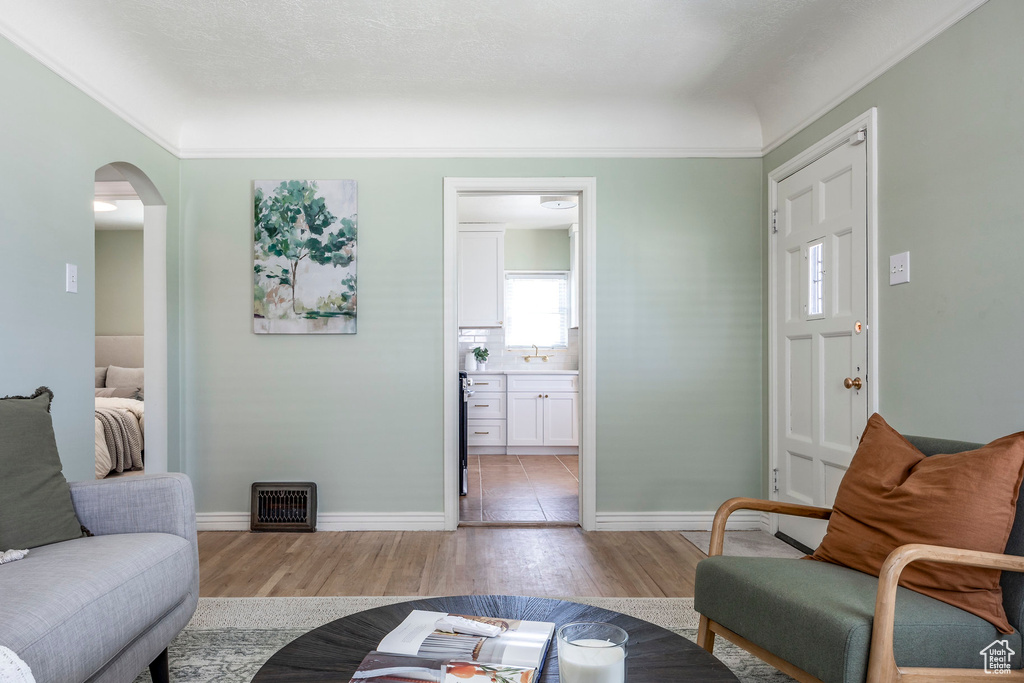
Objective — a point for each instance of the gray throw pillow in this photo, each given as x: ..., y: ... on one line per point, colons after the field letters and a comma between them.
x: 101, y: 377
x: 36, y: 508
x: 125, y: 377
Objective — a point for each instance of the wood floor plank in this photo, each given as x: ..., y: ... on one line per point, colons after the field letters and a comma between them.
x: 547, y: 562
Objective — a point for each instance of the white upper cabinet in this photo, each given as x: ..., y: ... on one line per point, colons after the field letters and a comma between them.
x: 481, y: 273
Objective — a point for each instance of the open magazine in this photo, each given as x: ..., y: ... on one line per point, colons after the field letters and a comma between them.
x: 437, y: 646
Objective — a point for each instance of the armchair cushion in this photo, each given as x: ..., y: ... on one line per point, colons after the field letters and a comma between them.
x: 893, y: 495
x: 818, y: 616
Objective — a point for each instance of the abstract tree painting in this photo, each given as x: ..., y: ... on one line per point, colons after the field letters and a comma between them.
x: 304, y: 256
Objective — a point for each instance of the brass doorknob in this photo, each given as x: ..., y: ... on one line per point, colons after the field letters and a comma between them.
x: 854, y: 383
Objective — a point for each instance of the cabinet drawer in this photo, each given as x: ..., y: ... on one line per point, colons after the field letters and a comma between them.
x: 488, y: 383
x: 542, y: 383
x: 486, y: 433
x: 486, y: 406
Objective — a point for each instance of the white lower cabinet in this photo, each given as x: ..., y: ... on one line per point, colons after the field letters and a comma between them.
x: 561, y: 419
x: 543, y: 419
x: 486, y: 433
x: 485, y: 414
x: 525, y: 419
x: 538, y: 414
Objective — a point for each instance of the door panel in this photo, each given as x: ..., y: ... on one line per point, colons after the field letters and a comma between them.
x: 525, y: 419
x: 833, y: 475
x: 800, y: 484
x: 560, y: 419
x: 798, y: 413
x: 821, y: 289
x: 837, y: 400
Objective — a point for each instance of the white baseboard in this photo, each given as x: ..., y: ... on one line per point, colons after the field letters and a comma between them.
x: 434, y: 521
x: 334, y: 521
x: 677, y: 521
x: 222, y: 521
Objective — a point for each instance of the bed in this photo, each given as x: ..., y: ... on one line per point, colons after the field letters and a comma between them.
x: 120, y: 406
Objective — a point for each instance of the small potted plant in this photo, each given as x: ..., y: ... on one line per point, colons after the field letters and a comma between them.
x: 481, y: 353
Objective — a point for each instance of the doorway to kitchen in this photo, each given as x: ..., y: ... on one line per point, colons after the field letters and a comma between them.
x: 519, y: 351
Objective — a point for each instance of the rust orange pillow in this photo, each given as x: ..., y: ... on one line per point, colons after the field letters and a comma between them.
x: 893, y: 494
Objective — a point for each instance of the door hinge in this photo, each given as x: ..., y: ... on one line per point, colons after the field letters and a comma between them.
x: 775, y: 480
x: 775, y: 219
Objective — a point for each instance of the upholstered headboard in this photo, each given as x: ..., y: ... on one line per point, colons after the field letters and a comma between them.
x: 121, y: 350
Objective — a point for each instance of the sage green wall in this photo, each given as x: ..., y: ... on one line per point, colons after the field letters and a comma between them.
x: 679, y: 335
x: 536, y: 249
x: 119, y: 282
x: 52, y: 139
x: 951, y: 168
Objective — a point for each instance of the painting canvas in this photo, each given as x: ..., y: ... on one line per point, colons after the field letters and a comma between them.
x: 304, y: 256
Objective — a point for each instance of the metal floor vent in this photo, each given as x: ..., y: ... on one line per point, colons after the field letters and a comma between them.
x: 283, y: 506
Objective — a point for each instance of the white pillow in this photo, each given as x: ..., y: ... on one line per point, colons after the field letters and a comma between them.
x: 10, y: 556
x: 125, y: 377
x: 101, y: 377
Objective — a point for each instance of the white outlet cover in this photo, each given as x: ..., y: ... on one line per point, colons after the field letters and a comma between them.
x: 71, y: 271
x: 899, y: 268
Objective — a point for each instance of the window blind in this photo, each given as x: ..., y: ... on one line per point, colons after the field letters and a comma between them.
x: 537, y: 310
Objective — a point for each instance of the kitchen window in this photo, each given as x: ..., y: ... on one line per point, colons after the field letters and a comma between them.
x: 536, y: 310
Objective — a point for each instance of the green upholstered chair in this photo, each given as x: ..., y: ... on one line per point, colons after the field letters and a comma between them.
x: 822, y: 622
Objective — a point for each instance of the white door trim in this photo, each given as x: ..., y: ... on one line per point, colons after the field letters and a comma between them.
x: 587, y: 187
x: 869, y: 121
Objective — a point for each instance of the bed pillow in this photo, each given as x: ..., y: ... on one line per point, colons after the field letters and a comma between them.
x: 125, y: 377
x: 37, y: 508
x: 118, y: 392
x: 893, y: 495
x: 101, y: 377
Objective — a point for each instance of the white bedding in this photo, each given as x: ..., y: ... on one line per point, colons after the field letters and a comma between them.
x: 134, y: 411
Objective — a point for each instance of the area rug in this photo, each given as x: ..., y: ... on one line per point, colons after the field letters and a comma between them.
x: 229, y: 639
x: 746, y: 543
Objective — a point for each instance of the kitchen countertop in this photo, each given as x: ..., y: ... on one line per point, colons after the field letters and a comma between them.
x: 538, y: 371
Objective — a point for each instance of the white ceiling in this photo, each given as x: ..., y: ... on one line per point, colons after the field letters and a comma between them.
x: 128, y: 216
x: 450, y: 77
x: 514, y: 211
x: 113, y: 189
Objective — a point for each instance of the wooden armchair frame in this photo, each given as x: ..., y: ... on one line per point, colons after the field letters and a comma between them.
x: 881, y: 660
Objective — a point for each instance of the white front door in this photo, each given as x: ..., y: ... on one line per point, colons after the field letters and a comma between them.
x: 821, y: 343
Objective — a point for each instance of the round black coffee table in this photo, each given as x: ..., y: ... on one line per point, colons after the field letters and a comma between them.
x: 334, y: 651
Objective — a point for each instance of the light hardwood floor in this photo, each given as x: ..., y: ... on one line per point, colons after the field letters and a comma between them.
x: 473, y: 560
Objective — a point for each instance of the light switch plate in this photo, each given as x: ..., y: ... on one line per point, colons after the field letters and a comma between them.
x: 71, y: 271
x: 899, y: 268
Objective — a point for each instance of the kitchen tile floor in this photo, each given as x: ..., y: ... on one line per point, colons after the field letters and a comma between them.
x: 527, y: 488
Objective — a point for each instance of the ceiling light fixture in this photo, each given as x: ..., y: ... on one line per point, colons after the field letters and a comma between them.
x: 100, y: 207
x: 558, y: 202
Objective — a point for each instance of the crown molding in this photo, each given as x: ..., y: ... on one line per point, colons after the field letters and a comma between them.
x: 181, y: 152
x: 924, y: 39
x: 464, y: 152
x: 81, y: 84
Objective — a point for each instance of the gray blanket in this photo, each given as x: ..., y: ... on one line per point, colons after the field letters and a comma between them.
x: 123, y: 437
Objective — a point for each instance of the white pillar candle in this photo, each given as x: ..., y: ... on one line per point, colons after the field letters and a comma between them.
x: 591, y: 661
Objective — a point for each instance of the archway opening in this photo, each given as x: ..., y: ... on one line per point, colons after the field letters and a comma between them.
x: 143, y: 356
